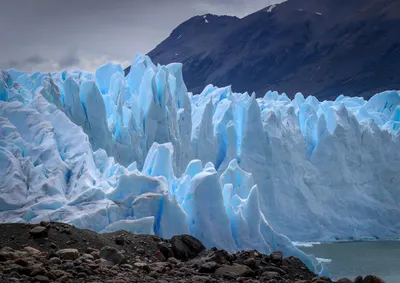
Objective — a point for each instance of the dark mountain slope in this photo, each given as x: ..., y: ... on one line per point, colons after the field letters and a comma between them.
x: 319, y: 47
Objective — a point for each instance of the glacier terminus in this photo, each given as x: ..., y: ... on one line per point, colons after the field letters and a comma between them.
x: 106, y: 152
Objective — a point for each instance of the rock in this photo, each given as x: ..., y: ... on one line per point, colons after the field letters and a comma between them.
x: 158, y: 255
x: 42, y: 278
x: 112, y: 254
x: 87, y: 256
x: 235, y: 270
x: 142, y: 265
x: 68, y: 254
x: 250, y: 262
x: 44, y: 223
x: 63, y: 279
x: 276, y: 257
x: 21, y: 261
x: 274, y: 269
x: 322, y: 279
x: 166, y: 251
x: 53, y: 246
x: 82, y: 275
x: 186, y: 247
x: 4, y: 256
x: 13, y: 268
x: 91, y: 250
x: 32, y: 250
x: 38, y: 271
x: 126, y: 266
x: 173, y: 260
x: 220, y: 257
x: 140, y: 251
x: 160, y: 267
x: 201, y: 279
x: 208, y: 267
x: 51, y: 254
x: 358, y: 279
x: 269, y: 275
x: 119, y: 240
x: 51, y: 276
x: 373, y: 279
x: 344, y: 280
x: 55, y: 260
x: 154, y: 274
x: 38, y: 231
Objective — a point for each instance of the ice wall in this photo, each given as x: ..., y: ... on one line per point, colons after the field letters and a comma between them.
x: 106, y: 151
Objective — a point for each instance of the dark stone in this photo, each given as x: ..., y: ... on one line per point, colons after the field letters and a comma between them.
x: 38, y: 231
x: 4, y: 256
x: 344, y: 280
x: 140, y: 251
x: 269, y: 275
x: 21, y: 261
x: 186, y: 247
x: 44, y: 223
x: 142, y: 265
x: 235, y: 270
x: 208, y: 267
x: 42, y: 278
x: 274, y: 269
x: 51, y: 254
x: 220, y: 257
x: 250, y: 262
x: 112, y: 254
x: 166, y: 251
x: 119, y: 241
x: 68, y: 254
x: 373, y: 279
x: 159, y: 256
x: 322, y: 279
x: 358, y: 279
x: 38, y: 271
x: 276, y: 257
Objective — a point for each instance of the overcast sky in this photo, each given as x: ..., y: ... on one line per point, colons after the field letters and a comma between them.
x: 52, y: 35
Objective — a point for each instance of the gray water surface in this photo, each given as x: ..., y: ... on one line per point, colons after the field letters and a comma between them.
x: 350, y: 259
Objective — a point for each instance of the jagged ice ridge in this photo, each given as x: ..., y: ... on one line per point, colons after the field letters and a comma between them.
x: 140, y: 153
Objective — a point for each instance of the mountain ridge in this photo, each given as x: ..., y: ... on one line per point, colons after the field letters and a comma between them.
x: 316, y: 47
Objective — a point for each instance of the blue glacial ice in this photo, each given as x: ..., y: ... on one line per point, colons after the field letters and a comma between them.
x: 140, y: 153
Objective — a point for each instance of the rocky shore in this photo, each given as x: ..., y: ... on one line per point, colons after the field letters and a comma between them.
x: 57, y: 252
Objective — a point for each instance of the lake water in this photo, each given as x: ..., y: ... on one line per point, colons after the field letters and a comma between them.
x: 350, y: 259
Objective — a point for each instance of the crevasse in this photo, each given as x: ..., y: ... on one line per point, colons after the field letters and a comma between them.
x: 140, y: 153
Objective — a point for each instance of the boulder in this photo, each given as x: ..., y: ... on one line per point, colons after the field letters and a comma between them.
x: 186, y: 247
x: 276, y: 257
x: 38, y: 231
x: 235, y: 270
x: 68, y: 254
x: 208, y: 267
x: 112, y: 254
x: 166, y: 251
x: 373, y: 279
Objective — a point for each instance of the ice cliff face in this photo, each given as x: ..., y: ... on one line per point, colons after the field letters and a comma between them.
x: 140, y: 153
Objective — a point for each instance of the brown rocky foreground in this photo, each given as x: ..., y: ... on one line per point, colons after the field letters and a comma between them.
x: 57, y: 252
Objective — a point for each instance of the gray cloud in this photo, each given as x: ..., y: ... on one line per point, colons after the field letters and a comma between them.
x: 45, y: 31
x: 30, y: 61
x: 36, y: 59
x: 69, y: 60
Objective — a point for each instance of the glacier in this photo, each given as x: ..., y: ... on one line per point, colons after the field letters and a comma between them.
x: 107, y: 152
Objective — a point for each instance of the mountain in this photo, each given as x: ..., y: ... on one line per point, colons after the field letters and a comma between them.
x: 319, y: 47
